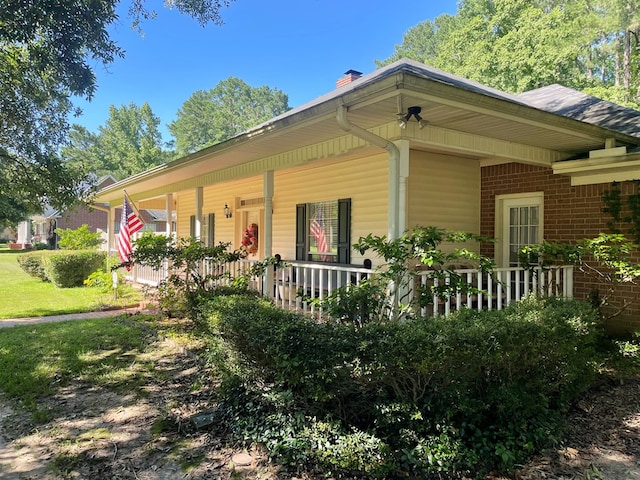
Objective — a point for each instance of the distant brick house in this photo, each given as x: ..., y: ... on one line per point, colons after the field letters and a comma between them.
x: 42, y: 227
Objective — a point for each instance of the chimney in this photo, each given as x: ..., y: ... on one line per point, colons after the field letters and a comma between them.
x: 349, y: 77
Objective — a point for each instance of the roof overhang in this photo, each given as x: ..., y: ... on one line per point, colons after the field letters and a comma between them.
x: 454, y: 107
x: 601, y: 169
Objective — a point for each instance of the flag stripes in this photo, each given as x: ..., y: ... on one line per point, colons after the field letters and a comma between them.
x: 130, y: 223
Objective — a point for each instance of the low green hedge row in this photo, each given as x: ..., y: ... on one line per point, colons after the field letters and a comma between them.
x: 458, y: 394
x: 63, y: 268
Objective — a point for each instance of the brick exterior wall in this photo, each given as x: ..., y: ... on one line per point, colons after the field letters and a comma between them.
x: 571, y: 213
x: 78, y: 216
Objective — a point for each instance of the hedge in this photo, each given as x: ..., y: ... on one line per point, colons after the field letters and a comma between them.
x: 456, y: 394
x: 70, y: 268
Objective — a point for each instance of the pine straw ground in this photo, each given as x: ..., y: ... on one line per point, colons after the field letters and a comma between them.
x: 144, y: 435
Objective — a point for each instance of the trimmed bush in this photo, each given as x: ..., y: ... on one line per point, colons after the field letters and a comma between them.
x: 32, y: 263
x: 67, y: 269
x: 452, y: 395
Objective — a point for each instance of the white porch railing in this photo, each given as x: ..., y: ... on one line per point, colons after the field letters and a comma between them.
x: 497, y: 289
x: 283, y: 284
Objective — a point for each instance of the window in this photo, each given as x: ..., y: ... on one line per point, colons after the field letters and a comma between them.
x: 208, y: 226
x: 520, y: 225
x: 323, y: 231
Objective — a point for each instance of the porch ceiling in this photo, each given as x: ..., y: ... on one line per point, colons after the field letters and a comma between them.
x: 374, y: 104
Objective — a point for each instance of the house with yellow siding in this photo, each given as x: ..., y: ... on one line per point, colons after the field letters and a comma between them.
x: 405, y: 145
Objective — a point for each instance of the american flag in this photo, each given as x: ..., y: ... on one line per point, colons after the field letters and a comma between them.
x: 130, y: 223
x: 317, y: 231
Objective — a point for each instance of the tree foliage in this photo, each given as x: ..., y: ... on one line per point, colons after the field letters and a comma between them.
x: 47, y: 50
x: 80, y: 238
x: 519, y: 45
x: 230, y: 108
x: 130, y: 142
x: 609, y: 261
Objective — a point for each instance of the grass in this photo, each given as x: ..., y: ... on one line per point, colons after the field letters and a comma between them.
x: 37, y: 361
x: 26, y: 296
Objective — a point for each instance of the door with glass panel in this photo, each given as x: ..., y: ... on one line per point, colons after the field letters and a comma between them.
x: 522, y: 226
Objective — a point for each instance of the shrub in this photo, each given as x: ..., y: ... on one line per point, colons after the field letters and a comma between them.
x: 32, y: 263
x: 102, y: 279
x: 471, y: 391
x: 79, y: 239
x: 70, y: 268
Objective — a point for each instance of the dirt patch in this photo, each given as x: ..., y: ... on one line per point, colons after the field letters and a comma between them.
x: 110, y: 434
x: 147, y: 434
x: 602, y: 439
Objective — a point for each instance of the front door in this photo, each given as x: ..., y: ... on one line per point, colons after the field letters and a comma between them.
x: 521, y: 226
x: 251, y: 236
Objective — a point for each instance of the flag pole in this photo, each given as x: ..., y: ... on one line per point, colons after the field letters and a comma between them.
x: 133, y: 205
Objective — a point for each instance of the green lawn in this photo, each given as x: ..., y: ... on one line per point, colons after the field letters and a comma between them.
x: 24, y: 296
x: 37, y: 360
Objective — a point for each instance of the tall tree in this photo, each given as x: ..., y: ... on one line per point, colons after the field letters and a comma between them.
x: 129, y: 142
x: 230, y: 108
x: 46, y: 52
x: 518, y: 45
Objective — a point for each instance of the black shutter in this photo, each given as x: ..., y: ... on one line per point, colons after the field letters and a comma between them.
x: 344, y: 230
x: 301, y: 231
x: 211, y: 230
x: 192, y: 226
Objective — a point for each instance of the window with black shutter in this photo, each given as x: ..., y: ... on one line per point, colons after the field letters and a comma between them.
x: 323, y: 231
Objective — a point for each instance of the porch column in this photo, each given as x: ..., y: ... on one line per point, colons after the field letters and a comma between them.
x: 24, y: 232
x: 109, y: 212
x: 268, y: 213
x: 403, y: 174
x: 169, y: 207
x: 268, y: 232
x: 111, y: 231
x: 199, y: 201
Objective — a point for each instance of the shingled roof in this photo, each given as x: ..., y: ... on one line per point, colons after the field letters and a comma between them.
x: 586, y: 108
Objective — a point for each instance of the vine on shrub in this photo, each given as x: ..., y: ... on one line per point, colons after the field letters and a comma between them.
x: 453, y: 395
x: 608, y: 260
x: 613, y: 205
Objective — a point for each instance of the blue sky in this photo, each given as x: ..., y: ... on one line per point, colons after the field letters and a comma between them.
x: 299, y: 46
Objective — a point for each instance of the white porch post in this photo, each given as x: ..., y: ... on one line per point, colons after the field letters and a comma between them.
x: 169, y: 207
x: 403, y: 174
x: 268, y: 189
x: 199, y: 201
x: 109, y: 212
x: 112, y: 231
x: 24, y: 232
x: 394, y: 183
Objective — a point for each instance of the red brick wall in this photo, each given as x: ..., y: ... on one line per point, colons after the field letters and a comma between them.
x: 571, y: 213
x: 78, y: 216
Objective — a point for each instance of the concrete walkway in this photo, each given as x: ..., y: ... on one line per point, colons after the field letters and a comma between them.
x: 12, y: 322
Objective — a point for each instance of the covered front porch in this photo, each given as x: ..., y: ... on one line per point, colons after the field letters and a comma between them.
x: 292, y: 284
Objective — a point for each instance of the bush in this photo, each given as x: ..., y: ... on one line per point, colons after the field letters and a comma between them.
x: 32, y: 263
x: 102, y: 279
x: 70, y: 268
x: 457, y: 394
x: 79, y: 239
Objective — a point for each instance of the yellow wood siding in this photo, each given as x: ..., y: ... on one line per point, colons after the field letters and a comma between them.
x: 230, y: 193
x: 363, y: 180
x: 443, y: 191
x: 185, y: 207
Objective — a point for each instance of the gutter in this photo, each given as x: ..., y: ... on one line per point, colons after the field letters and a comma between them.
x: 394, y: 167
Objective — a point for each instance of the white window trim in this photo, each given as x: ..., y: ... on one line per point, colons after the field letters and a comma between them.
x: 511, y: 200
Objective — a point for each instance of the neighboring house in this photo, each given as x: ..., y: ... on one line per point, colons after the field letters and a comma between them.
x: 42, y: 227
x: 405, y: 145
